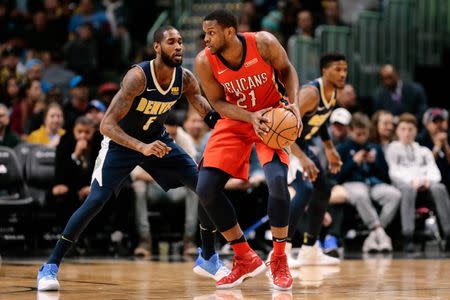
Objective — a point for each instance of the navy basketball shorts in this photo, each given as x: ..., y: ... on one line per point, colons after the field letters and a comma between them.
x: 115, y: 162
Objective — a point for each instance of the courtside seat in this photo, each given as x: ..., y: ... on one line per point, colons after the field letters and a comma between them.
x: 40, y: 172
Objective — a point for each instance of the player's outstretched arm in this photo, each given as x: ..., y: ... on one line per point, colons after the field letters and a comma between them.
x: 273, y: 53
x: 132, y: 85
x: 192, y: 91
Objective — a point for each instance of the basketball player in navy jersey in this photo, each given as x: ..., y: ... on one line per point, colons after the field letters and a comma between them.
x: 318, y: 99
x: 134, y: 135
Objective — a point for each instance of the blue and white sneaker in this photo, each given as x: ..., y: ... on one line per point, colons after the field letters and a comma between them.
x: 212, y: 268
x: 47, y: 278
x: 330, y: 246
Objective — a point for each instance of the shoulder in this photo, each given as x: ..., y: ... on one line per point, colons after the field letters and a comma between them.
x: 134, y: 80
x: 188, y: 79
x: 264, y: 41
x: 202, y: 58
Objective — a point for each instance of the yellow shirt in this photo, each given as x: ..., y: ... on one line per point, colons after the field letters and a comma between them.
x: 40, y: 136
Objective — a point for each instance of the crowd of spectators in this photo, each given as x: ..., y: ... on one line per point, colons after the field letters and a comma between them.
x: 60, y: 66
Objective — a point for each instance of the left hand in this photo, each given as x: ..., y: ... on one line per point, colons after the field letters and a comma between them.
x: 334, y: 160
x: 371, y: 156
x: 294, y: 109
x: 84, y: 192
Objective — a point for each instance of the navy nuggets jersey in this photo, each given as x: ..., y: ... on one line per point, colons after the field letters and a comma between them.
x: 145, y: 119
x: 312, y: 122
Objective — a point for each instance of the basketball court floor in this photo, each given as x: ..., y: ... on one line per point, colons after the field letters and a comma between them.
x: 372, y: 278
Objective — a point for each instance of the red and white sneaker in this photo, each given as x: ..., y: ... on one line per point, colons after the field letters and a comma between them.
x: 244, y: 266
x: 282, y: 279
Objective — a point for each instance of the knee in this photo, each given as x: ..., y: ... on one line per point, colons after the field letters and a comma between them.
x: 206, y: 193
x: 438, y: 188
x: 278, y: 187
x: 394, y: 195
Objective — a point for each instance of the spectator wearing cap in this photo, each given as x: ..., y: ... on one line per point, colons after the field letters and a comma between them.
x: 340, y: 120
x: 399, y: 96
x: 7, y: 137
x: 34, y: 68
x: 56, y: 73
x: 78, y: 102
x: 434, y: 136
x: 50, y: 132
x: 382, y: 128
x: 106, y: 92
x: 365, y: 177
x: 96, y: 111
x: 413, y: 171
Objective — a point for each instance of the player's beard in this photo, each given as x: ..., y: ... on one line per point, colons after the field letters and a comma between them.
x: 167, y: 60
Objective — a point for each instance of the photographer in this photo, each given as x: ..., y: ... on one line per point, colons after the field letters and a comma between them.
x: 364, y: 176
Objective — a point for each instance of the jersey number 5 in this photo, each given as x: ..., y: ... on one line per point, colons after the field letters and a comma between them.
x: 242, y: 97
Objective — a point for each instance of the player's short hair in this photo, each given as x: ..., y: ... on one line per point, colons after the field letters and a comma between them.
x: 407, y: 118
x: 83, y: 120
x: 360, y: 121
x: 328, y: 58
x: 223, y: 17
x: 158, y: 36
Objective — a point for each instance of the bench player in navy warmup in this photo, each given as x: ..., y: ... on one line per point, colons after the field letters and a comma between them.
x: 134, y: 135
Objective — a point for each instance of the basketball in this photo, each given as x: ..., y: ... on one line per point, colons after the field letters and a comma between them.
x: 283, y: 130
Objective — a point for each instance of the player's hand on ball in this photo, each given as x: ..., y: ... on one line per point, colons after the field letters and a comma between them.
x: 310, y: 171
x: 294, y: 109
x: 156, y: 148
x: 260, y: 122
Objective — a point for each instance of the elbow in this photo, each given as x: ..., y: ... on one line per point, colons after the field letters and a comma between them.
x: 103, y: 127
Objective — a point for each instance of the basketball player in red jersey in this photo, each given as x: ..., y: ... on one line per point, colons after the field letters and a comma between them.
x: 244, y: 76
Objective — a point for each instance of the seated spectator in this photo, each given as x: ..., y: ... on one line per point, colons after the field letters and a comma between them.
x: 198, y: 130
x: 413, y: 170
x: 34, y: 68
x: 78, y: 101
x: 10, y: 93
x: 51, y: 131
x: 398, y: 96
x: 82, y: 52
x: 340, y: 120
x: 435, y: 137
x: 365, y: 177
x: 106, y: 92
x: 7, y: 137
x: 304, y: 27
x: 96, y: 111
x: 74, y: 164
x: 10, y: 58
x: 347, y: 99
x: 56, y: 73
x: 382, y: 128
x: 33, y: 103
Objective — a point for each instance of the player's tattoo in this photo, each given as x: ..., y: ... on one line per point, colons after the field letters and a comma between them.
x: 264, y: 47
x: 191, y: 90
x: 132, y: 85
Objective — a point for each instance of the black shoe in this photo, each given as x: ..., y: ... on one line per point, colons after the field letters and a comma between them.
x: 408, y: 245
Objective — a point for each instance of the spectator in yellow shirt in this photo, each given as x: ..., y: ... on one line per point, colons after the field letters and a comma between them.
x: 51, y: 131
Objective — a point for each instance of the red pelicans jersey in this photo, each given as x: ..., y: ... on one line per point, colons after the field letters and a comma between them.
x: 254, y: 84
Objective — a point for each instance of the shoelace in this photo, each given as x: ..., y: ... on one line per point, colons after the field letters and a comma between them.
x: 52, y: 271
x: 280, y: 266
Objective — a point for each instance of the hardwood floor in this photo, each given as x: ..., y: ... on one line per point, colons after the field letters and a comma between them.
x: 122, y: 279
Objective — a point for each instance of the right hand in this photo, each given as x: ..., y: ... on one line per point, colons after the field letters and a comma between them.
x: 157, y: 148
x: 440, y: 139
x: 310, y: 171
x: 260, y: 122
x: 80, y: 147
x: 359, y: 156
x: 60, y: 189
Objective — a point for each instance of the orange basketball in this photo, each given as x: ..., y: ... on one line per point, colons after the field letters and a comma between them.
x: 283, y: 130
